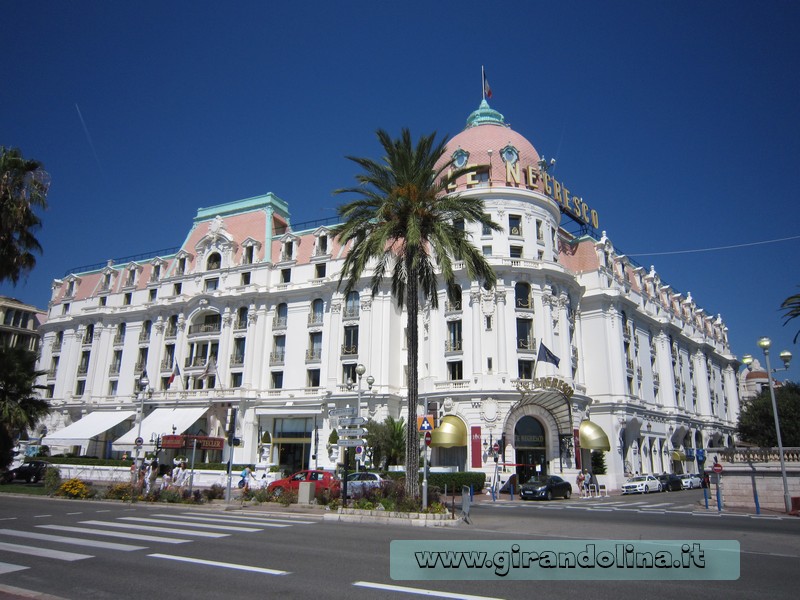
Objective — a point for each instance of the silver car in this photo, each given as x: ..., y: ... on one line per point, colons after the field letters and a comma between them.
x: 691, y: 481
x: 358, y: 484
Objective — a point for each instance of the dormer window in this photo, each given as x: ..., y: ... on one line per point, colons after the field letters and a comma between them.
x: 247, y: 259
x: 130, y: 280
x: 70, y: 288
x: 288, y: 250
x: 106, y: 285
x: 322, y: 245
x: 214, y: 261
x: 181, y: 268
x: 155, y: 274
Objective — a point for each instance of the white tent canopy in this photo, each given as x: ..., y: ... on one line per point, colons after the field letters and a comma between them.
x: 160, y: 422
x: 82, y: 431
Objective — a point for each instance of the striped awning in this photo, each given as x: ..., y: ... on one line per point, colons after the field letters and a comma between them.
x: 592, y: 437
x: 451, y: 432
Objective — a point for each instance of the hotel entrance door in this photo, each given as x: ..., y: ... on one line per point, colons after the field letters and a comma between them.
x: 531, y: 453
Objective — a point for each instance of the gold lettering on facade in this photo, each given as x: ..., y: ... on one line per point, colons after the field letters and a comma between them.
x: 512, y: 172
x: 472, y: 178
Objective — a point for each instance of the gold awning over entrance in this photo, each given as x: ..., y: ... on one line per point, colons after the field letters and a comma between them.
x: 592, y: 436
x: 451, y: 432
x: 678, y: 455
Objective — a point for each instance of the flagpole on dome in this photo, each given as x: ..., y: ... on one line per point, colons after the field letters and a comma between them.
x: 483, y: 83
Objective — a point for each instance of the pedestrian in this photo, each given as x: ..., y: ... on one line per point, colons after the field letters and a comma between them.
x: 150, y: 476
x: 579, y: 480
x: 587, y: 481
x: 247, y: 476
x: 179, y: 475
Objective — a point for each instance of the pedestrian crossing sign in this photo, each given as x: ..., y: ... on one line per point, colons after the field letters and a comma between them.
x: 425, y: 423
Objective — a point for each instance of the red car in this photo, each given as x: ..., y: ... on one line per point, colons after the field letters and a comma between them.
x: 323, y: 480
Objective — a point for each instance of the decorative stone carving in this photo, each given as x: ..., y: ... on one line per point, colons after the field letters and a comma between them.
x: 490, y: 410
x: 366, y: 305
x: 336, y: 307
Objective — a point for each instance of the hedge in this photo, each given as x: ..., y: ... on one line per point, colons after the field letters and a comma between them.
x: 108, y: 462
x: 453, y: 481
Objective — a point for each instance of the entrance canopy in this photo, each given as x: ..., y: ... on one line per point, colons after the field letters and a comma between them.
x: 551, y: 395
x: 160, y: 422
x: 592, y: 436
x: 451, y: 432
x: 678, y: 455
x: 82, y: 431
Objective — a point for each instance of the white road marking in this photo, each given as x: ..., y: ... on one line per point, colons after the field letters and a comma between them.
x: 68, y: 540
x: 419, y: 592
x: 216, y: 520
x: 8, y: 519
x: 249, y: 518
x: 213, y: 563
x: 189, y: 524
x: 41, y: 516
x: 157, y: 529
x: 75, y: 513
x: 43, y: 552
x: 117, y: 534
x: 9, y: 568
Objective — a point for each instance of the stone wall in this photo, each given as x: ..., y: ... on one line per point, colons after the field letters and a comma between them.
x: 757, y: 471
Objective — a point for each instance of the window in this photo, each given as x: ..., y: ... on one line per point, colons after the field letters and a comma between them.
x: 489, y: 365
x: 70, y: 289
x: 119, y: 337
x: 88, y: 335
x: 131, y: 278
x: 314, y: 346
x: 525, y: 369
x: 65, y: 308
x: 455, y: 371
x: 312, y: 378
x: 153, y: 294
x: 278, y: 349
x: 286, y: 275
x: 277, y: 380
x: 351, y: 306
x: 486, y: 231
x: 317, y: 311
x: 281, y: 315
x: 247, y: 259
x: 51, y: 389
x: 156, y: 274
x: 515, y: 252
x: 211, y: 284
x: 80, y: 387
x: 350, y: 345
x: 522, y: 295
x: 112, y: 387
x: 237, y: 360
x: 349, y: 373
x: 214, y: 261
x: 487, y: 250
x: 176, y: 289
x: 320, y: 270
x: 236, y: 380
x: 116, y: 363
x: 488, y: 323
x: 525, y: 339
x: 514, y: 225
x: 539, y: 231
x: 454, y: 340
x: 126, y: 299
x: 103, y: 300
x: 181, y: 268
x: 246, y: 278
x: 322, y: 245
x: 454, y: 304
x: 241, y: 318
x: 288, y: 251
x: 83, y: 366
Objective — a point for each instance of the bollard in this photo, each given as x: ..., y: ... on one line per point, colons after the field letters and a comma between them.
x: 705, y: 496
x: 719, y: 498
x: 471, y: 492
x: 511, y: 490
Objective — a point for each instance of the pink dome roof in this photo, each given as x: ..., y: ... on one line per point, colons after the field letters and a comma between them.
x: 486, y: 130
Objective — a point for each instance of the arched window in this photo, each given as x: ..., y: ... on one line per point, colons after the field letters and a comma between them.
x: 214, y: 261
x: 317, y: 312
x: 281, y: 315
x: 522, y: 295
x: 351, y: 306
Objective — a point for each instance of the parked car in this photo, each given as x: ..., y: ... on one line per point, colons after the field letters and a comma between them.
x: 358, y: 484
x: 642, y: 484
x: 545, y: 487
x: 670, y: 482
x: 691, y: 481
x: 323, y: 480
x: 30, y: 472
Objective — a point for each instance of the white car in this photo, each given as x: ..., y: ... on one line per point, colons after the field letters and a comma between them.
x: 691, y: 481
x: 641, y: 484
x: 358, y: 484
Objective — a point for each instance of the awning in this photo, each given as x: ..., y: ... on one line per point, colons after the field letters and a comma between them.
x: 160, y: 421
x: 451, y: 432
x: 592, y: 437
x: 678, y: 455
x: 83, y: 430
x: 287, y: 411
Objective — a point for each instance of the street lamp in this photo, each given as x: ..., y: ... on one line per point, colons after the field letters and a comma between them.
x: 764, y: 343
x: 144, y: 391
x: 360, y: 370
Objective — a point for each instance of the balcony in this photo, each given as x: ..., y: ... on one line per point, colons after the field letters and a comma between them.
x: 523, y: 303
x: 154, y: 277
x: 656, y: 379
x: 166, y: 364
x: 237, y: 360
x: 349, y: 350
x: 119, y: 339
x: 51, y: 374
x: 315, y: 319
x: 451, y: 307
x: 204, y: 328
x: 171, y: 331
x: 139, y: 367
x: 526, y: 344
x: 453, y: 345
x: 240, y: 324
x: 629, y: 365
x: 279, y: 322
x: 196, y: 361
x: 87, y: 340
x: 113, y: 370
x: 277, y: 357
x: 321, y: 251
x: 314, y: 355
x: 350, y: 312
x: 83, y: 369
x: 144, y: 336
x: 57, y: 346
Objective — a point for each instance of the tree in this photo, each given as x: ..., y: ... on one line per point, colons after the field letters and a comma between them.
x: 406, y: 226
x: 792, y: 307
x: 757, y: 423
x: 387, y: 441
x: 23, y: 187
x: 20, y: 406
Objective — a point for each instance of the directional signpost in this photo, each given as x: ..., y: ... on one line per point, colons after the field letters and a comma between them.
x: 351, y: 443
x: 351, y: 421
x: 357, y: 431
x: 350, y: 411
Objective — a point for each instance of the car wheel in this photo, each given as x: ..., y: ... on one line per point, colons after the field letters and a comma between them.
x: 35, y: 479
x: 278, y: 491
x: 646, y: 489
x: 567, y: 494
x: 660, y: 488
x: 549, y: 495
x: 691, y: 485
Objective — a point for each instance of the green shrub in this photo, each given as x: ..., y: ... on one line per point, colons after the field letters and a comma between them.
x: 118, y: 491
x: 52, y: 480
x: 75, y: 488
x: 215, y: 492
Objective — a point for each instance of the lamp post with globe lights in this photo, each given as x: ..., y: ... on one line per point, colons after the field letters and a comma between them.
x: 764, y: 343
x: 360, y: 370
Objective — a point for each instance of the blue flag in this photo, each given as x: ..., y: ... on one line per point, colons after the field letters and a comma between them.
x: 546, y: 356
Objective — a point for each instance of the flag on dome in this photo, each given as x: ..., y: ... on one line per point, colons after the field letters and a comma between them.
x: 487, y: 91
x: 546, y: 356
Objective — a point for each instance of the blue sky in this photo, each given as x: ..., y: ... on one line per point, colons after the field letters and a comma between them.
x: 677, y: 120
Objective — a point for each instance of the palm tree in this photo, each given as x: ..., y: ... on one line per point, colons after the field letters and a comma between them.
x: 792, y: 307
x: 405, y: 225
x: 387, y: 441
x: 20, y: 406
x: 23, y: 187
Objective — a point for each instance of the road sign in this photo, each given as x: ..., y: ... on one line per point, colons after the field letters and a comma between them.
x: 351, y: 421
x: 359, y: 449
x: 496, y: 447
x: 138, y: 442
x: 717, y: 468
x: 350, y: 411
x: 427, y: 438
x: 350, y: 443
x: 425, y: 423
x: 356, y: 431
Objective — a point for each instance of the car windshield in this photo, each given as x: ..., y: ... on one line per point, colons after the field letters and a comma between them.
x: 638, y: 479
x: 538, y: 480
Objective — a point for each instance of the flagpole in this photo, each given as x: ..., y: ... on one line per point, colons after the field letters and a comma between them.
x: 483, y: 84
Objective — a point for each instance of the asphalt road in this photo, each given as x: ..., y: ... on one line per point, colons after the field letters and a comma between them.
x: 280, y: 555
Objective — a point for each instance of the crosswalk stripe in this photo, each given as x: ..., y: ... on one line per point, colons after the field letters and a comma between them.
x: 214, y: 563
x: 159, y: 529
x: 117, y: 534
x: 43, y: 552
x: 68, y: 540
x: 9, y: 568
x: 190, y: 524
x: 240, y: 522
x: 660, y: 504
x: 251, y: 518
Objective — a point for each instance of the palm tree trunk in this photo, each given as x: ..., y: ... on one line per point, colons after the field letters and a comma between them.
x: 412, y: 436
